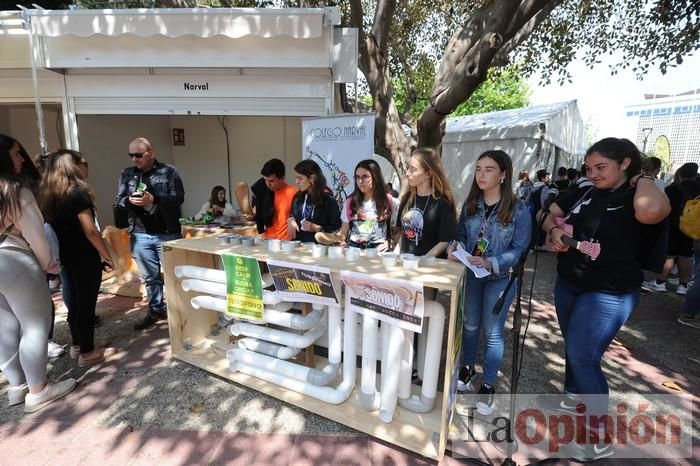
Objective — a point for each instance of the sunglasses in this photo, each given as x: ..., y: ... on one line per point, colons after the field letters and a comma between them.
x: 137, y: 155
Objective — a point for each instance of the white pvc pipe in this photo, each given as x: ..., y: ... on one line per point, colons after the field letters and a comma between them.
x: 286, y: 368
x: 327, y: 394
x: 384, y: 331
x: 219, y: 289
x: 390, y: 377
x: 369, y: 397
x: 270, y: 316
x: 422, y: 342
x: 267, y: 348
x: 201, y: 273
x: 436, y: 323
x: 212, y: 275
x: 335, y: 336
x: 406, y: 365
x: 280, y: 337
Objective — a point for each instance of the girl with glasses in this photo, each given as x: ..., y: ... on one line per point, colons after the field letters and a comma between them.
x: 370, y: 210
x: 313, y: 208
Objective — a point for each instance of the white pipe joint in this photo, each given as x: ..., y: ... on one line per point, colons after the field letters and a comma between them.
x: 390, y: 389
x: 436, y: 323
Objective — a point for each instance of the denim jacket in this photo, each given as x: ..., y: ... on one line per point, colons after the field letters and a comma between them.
x: 506, y: 243
x: 167, y: 190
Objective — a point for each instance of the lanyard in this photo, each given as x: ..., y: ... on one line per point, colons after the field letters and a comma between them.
x: 485, y: 219
x: 303, y: 209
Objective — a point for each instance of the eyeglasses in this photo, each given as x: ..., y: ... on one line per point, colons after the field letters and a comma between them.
x: 363, y: 178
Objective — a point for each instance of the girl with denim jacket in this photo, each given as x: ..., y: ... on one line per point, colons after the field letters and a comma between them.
x: 495, y: 227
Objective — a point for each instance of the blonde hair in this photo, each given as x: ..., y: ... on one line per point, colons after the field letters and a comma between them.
x: 430, y: 162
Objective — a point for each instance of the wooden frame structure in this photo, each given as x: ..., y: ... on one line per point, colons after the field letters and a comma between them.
x: 195, y: 330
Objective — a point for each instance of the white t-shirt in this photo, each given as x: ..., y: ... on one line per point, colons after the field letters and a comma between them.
x: 365, y: 228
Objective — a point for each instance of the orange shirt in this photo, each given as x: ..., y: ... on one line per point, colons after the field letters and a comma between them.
x: 283, y: 209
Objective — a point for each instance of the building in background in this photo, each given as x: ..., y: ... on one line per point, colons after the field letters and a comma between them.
x: 675, y: 117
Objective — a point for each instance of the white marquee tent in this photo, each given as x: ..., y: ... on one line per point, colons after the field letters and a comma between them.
x: 541, y: 136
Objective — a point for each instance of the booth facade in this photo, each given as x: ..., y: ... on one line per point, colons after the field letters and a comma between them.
x: 217, y: 91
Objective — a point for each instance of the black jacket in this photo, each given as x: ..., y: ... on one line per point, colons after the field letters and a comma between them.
x: 326, y: 215
x: 264, y: 203
x: 165, y: 184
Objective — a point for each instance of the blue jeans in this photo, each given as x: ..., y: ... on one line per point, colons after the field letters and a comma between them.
x: 480, y: 298
x: 148, y: 254
x: 691, y: 306
x: 589, y: 320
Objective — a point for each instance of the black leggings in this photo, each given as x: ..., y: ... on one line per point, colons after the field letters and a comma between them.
x: 80, y: 289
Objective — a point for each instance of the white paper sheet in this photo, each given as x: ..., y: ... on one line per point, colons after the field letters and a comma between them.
x: 462, y: 255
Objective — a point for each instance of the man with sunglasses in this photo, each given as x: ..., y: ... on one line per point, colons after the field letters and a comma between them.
x: 152, y: 193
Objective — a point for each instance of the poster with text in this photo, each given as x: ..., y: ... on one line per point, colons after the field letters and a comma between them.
x: 303, y: 283
x: 243, y: 287
x: 394, y: 301
x: 337, y: 144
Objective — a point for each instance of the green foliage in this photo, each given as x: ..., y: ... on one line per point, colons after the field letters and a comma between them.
x: 503, y: 89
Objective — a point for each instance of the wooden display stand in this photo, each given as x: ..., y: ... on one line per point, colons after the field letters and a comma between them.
x: 425, y: 434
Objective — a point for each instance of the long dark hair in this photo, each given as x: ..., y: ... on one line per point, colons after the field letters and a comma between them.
x: 431, y: 163
x: 311, y: 170
x: 506, y: 206
x: 28, y: 174
x: 61, y: 177
x: 379, y: 193
x: 618, y: 149
x: 214, y: 199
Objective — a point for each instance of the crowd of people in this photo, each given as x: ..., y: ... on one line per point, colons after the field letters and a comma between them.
x: 614, y: 199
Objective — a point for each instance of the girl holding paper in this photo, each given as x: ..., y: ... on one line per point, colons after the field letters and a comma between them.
x: 495, y: 227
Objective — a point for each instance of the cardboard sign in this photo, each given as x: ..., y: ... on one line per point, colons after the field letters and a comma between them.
x: 303, y: 283
x: 243, y: 287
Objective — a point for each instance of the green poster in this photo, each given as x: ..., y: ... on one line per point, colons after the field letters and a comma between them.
x: 243, y: 287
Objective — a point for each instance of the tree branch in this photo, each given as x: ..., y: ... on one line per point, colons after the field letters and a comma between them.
x: 382, y: 23
x: 518, y: 31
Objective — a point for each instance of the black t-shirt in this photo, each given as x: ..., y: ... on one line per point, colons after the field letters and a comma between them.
x: 626, y: 245
x: 74, y: 245
x: 428, y: 222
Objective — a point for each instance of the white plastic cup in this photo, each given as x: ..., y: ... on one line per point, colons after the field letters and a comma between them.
x: 288, y: 246
x: 319, y: 250
x: 247, y: 241
x: 410, y: 263
x: 352, y: 254
x: 407, y: 256
x: 371, y: 252
x: 274, y: 245
x: 335, y: 252
x: 389, y: 259
x: 259, y: 240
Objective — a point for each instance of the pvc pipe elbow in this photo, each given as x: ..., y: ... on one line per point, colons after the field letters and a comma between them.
x: 324, y: 376
x: 369, y: 401
x: 202, y: 273
x: 422, y: 404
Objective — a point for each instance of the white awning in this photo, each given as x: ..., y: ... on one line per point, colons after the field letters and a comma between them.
x: 298, y: 23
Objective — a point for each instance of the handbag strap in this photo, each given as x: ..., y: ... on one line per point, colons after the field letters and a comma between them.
x: 6, y: 232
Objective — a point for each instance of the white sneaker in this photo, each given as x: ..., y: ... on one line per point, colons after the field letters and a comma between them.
x: 682, y: 290
x: 35, y: 401
x: 16, y: 394
x: 651, y: 285
x: 55, y: 350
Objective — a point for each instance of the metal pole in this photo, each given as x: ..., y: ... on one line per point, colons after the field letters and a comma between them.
x: 35, y: 81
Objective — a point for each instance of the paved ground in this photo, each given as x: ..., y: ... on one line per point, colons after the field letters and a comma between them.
x: 142, y: 407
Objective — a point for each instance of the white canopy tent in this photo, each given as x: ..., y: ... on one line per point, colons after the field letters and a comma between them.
x: 540, y: 136
x: 234, y: 81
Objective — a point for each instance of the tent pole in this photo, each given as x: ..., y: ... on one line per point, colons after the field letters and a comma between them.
x: 35, y: 81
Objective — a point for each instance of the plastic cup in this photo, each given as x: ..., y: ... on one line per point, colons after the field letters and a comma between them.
x: 247, y: 241
x: 352, y: 254
x: 410, y: 263
x: 274, y: 245
x: 319, y: 250
x: 335, y: 252
x: 288, y: 246
x: 371, y: 252
x: 389, y: 259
